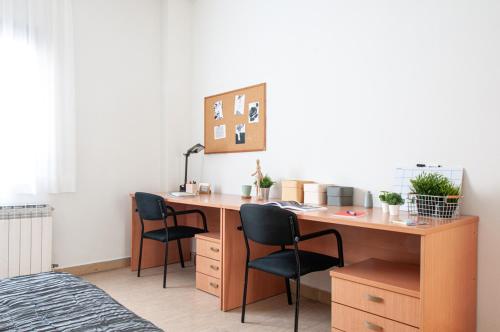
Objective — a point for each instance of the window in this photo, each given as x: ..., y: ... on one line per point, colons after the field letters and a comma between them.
x: 36, y: 100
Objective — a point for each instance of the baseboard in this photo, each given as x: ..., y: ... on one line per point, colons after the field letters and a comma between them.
x: 312, y: 293
x: 96, y: 267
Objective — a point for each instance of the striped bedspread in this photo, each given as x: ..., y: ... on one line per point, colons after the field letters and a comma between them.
x: 62, y: 302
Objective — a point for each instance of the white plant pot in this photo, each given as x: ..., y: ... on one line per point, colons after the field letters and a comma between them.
x: 385, y: 207
x: 394, y: 210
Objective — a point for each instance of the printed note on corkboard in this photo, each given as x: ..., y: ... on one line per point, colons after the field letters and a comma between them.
x: 235, y: 121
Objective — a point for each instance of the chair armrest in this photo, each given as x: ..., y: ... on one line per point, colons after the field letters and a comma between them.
x: 317, y: 234
x: 340, y: 249
x: 178, y: 213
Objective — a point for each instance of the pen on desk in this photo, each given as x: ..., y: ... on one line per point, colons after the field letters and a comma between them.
x: 352, y: 213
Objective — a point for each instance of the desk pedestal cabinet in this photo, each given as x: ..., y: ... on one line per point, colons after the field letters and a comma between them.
x: 208, y: 267
x: 397, y: 277
x: 376, y: 295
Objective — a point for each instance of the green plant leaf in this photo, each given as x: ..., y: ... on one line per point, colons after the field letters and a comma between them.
x: 266, y: 182
x: 394, y: 199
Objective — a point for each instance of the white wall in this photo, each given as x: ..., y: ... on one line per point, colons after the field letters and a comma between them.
x: 176, y: 88
x: 356, y: 88
x: 118, y: 85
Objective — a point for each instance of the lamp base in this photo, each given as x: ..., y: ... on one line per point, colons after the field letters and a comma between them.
x: 182, y: 188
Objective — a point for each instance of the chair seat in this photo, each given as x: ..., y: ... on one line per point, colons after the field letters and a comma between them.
x: 283, y: 263
x: 174, y: 233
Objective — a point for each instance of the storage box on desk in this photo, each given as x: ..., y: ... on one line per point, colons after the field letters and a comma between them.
x: 293, y: 190
x: 315, y: 193
x: 339, y: 196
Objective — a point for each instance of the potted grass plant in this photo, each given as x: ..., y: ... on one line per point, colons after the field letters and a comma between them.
x: 383, y: 203
x: 447, y: 206
x: 265, y: 185
x: 394, y: 200
x: 435, y: 195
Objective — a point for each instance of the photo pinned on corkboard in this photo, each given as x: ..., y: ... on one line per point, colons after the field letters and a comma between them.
x: 235, y: 121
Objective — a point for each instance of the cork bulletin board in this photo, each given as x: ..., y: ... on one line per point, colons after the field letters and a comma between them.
x: 235, y: 121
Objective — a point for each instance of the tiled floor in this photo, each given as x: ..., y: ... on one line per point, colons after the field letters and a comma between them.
x: 181, y: 307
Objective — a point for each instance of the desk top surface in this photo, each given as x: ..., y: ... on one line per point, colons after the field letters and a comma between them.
x: 374, y: 218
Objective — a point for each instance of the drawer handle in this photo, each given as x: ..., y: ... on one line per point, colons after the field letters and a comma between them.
x: 214, y: 249
x: 373, y: 327
x: 214, y: 285
x: 214, y: 267
x: 374, y: 298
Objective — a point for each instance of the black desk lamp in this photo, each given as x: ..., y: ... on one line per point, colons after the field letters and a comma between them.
x: 194, y: 149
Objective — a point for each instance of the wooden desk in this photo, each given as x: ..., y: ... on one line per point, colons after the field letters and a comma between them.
x: 444, y: 250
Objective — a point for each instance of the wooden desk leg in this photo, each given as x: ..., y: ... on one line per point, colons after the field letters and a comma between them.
x: 153, y: 251
x: 260, y: 285
x: 448, y: 279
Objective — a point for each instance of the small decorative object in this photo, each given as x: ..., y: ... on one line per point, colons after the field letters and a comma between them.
x: 246, y: 190
x: 265, y: 185
x: 192, y: 187
x: 434, y: 195
x: 383, y: 203
x: 395, y: 201
x: 204, y: 188
x: 368, y: 200
x: 258, y: 177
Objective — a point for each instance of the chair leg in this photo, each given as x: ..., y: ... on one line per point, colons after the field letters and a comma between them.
x: 288, y: 292
x: 243, y: 305
x: 165, y: 266
x: 181, y: 257
x: 297, y: 301
x: 140, y: 259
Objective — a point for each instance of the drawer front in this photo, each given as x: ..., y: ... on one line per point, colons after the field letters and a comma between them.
x: 208, y: 266
x: 208, y: 284
x: 399, y: 307
x: 352, y: 320
x: 208, y: 249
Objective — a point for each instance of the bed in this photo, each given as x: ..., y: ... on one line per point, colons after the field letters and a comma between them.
x: 62, y: 302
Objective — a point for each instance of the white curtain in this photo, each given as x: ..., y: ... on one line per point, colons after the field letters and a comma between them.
x: 37, y: 115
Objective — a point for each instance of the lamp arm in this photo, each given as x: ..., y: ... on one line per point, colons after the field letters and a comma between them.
x: 186, y: 169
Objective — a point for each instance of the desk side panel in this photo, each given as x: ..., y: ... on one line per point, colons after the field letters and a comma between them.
x: 260, y: 285
x: 448, y: 280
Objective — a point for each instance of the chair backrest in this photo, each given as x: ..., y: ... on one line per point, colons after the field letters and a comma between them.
x: 150, y: 206
x: 270, y: 225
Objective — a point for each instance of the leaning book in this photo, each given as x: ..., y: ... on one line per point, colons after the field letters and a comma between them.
x: 296, y: 206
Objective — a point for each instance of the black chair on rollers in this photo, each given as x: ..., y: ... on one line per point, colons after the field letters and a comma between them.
x: 152, y: 208
x: 274, y: 226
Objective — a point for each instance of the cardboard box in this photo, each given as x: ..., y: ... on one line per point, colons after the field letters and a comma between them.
x: 293, y: 190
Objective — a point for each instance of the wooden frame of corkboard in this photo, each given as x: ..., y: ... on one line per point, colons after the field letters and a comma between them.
x: 254, y: 138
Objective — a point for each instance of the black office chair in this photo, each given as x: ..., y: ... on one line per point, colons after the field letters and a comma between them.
x: 271, y: 225
x: 153, y: 207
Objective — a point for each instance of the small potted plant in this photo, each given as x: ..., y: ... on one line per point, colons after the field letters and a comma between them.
x: 382, y: 198
x: 265, y: 185
x: 394, y: 200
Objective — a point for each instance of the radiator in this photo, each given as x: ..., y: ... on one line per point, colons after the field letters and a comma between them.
x: 25, y: 239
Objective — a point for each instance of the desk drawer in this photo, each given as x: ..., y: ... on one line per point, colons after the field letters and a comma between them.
x: 399, y: 307
x: 352, y: 320
x: 208, y: 284
x: 208, y: 266
x: 208, y: 249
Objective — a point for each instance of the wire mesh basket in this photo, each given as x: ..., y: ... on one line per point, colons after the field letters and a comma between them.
x: 434, y: 206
